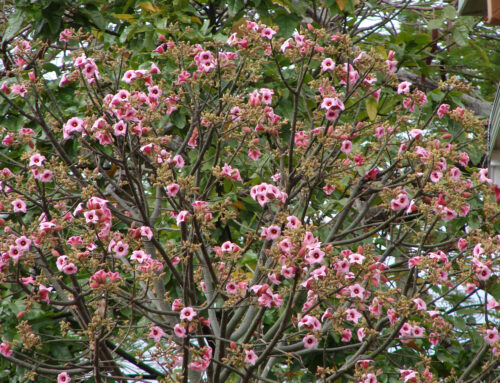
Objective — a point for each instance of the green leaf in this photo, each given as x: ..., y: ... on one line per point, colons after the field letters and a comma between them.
x: 13, y: 26
x: 449, y: 12
x: 422, y: 38
x: 178, y: 119
x: 371, y: 107
x: 148, y: 6
x: 287, y: 23
x: 436, y: 95
x: 460, y: 35
x: 435, y: 23
x: 204, y: 27
x: 460, y: 323
x: 235, y: 6
x: 476, y: 155
x: 481, y: 52
x: 95, y: 17
x: 125, y: 17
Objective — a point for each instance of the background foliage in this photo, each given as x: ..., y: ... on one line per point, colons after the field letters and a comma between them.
x: 430, y: 45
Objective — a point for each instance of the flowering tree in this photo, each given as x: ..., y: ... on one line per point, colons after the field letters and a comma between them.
x: 253, y: 208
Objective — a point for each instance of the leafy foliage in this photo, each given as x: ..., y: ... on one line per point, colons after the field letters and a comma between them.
x: 246, y: 191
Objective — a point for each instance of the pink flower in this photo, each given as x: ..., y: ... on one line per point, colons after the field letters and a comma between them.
x: 361, y: 333
x: 356, y: 258
x: 315, y: 255
x: 182, y: 217
x: 491, y: 336
x: 288, y: 271
x: 310, y: 322
x: 75, y: 241
x: 328, y: 189
x: 98, y: 279
x: 231, y: 288
x: 434, y: 338
x: 43, y: 293
x: 180, y: 331
x: 228, y: 246
x: 267, y: 33
x: 285, y: 245
x: 229, y: 172
x: 483, y: 273
x: 463, y: 159
x: 146, y: 232
x: 483, y: 176
x: 448, y: 214
x: 177, y: 304
x: 416, y: 133
x: 267, y: 95
x: 359, y: 160
x: 73, y: 125
x: 417, y: 331
x: 250, y: 357
x: 23, y: 243
x: 188, y: 313
x: 327, y: 65
x: 379, y: 131
x: 372, y: 174
x: 391, y: 314
x: 156, y: 333
x: 45, y: 176
x: 120, y: 128
x: 63, y: 377
x: 19, y: 206
x: 346, y: 146
x: 64, y: 36
x: 19, y: 89
x: 404, y: 87
x: 300, y: 139
x: 346, y: 335
x: 462, y: 244
x: 292, y: 222
x: 436, y: 176
x: 357, y: 290
x: 36, y: 160
x: 8, y: 140
x: 376, y: 307
x: 178, y: 161
x: 203, y: 363
x: 271, y: 233
x: 5, y: 349
x: 173, y: 189
x: 442, y: 110
x: 70, y: 269
x: 368, y: 378
x: 120, y: 249
x: 332, y: 103
x: 310, y: 341
x: 464, y: 209
x: 420, y: 304
x: 5, y: 88
x: 400, y: 202
x: 129, y: 76
x: 15, y: 253
x: 91, y: 216
x: 140, y: 256
x: 455, y: 174
x: 254, y: 153
x: 353, y: 315
x: 409, y: 375
x: 391, y: 65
